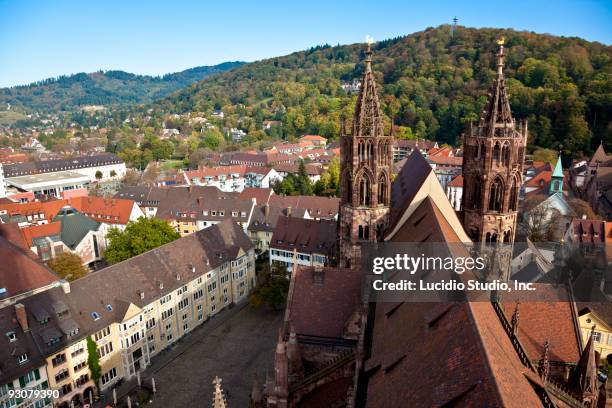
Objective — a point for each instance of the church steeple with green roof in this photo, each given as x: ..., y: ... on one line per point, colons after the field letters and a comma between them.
x: 556, y: 181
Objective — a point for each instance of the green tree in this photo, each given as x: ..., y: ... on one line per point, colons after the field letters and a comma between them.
x: 67, y: 265
x: 138, y: 237
x: 303, y: 184
x: 272, y: 287
x: 98, y: 175
x: 93, y: 361
x: 546, y: 155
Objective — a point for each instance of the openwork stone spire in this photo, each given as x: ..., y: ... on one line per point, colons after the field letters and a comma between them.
x: 544, y: 363
x: 367, y: 120
x: 584, y: 377
x: 219, y: 398
x: 496, y: 118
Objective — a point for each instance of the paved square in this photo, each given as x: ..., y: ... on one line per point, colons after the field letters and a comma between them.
x: 235, y: 350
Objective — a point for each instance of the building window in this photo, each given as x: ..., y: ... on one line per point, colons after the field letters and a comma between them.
x: 109, y: 375
x: 58, y: 359
x: 597, y: 336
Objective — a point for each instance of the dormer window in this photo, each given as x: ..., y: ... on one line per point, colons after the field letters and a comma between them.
x: 95, y: 316
x: 22, y: 358
x: 109, y: 308
x: 11, y: 336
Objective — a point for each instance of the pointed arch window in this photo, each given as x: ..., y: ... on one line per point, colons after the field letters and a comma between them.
x: 365, y: 191
x: 506, y: 154
x: 382, y: 190
x: 514, y: 189
x: 496, y: 194
x: 496, y: 152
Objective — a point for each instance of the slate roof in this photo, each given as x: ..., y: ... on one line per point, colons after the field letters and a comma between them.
x: 74, y: 226
x: 261, y: 222
x: 47, y: 166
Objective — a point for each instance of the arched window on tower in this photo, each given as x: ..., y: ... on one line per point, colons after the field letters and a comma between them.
x: 507, y: 236
x: 361, y: 151
x: 513, y: 204
x: 476, y: 194
x: 382, y: 190
x: 371, y: 152
x: 366, y: 232
x: 496, y: 152
x: 360, y: 232
x: 506, y: 154
x: 365, y: 191
x: 496, y: 194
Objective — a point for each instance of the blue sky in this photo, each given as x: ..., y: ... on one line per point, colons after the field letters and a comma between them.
x: 41, y: 39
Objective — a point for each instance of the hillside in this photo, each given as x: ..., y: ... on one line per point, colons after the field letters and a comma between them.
x: 432, y: 83
x: 103, y: 88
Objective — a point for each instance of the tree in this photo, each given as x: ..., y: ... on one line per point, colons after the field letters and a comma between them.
x: 582, y: 208
x: 151, y: 173
x: 131, y: 178
x: 113, y: 173
x: 303, y: 184
x: 138, y: 237
x: 540, y: 222
x: 67, y: 265
x: 93, y: 361
x: 272, y: 288
x: 98, y: 175
x: 545, y: 155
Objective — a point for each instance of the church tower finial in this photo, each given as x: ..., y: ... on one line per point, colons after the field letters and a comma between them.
x: 500, y: 57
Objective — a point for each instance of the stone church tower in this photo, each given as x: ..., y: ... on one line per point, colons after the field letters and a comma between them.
x: 494, y: 152
x: 366, y: 160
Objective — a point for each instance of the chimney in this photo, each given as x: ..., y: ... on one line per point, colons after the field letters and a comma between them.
x: 318, y: 275
x: 267, y: 210
x: 65, y: 286
x: 190, y: 188
x: 141, y: 293
x: 289, y: 211
x: 22, y: 317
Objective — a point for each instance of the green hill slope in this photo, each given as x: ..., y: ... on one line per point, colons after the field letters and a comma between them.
x: 103, y: 88
x: 432, y: 83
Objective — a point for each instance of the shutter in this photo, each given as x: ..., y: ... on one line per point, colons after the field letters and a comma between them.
x: 37, y: 374
x: 22, y: 382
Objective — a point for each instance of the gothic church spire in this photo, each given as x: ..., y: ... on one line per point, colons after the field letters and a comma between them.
x: 367, y: 120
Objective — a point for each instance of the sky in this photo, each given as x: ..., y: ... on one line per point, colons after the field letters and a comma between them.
x: 43, y: 39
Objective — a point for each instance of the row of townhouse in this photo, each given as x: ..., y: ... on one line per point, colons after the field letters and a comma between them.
x: 131, y: 310
x: 232, y: 178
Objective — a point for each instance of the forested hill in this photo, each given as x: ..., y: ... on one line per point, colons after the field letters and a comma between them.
x: 431, y: 82
x: 103, y: 88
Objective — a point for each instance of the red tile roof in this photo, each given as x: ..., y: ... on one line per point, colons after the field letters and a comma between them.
x: 261, y: 195
x: 39, y: 231
x: 457, y: 181
x: 318, y: 207
x: 322, y: 307
x: 100, y: 209
x: 49, y: 209
x: 19, y: 272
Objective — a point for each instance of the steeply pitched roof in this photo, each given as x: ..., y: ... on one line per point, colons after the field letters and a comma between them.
x: 39, y: 231
x: 304, y: 235
x: 600, y: 156
x: 20, y: 272
x: 318, y: 207
x: 261, y: 195
x: 558, y: 172
x: 322, y: 306
x: 417, y: 190
x: 110, y: 211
